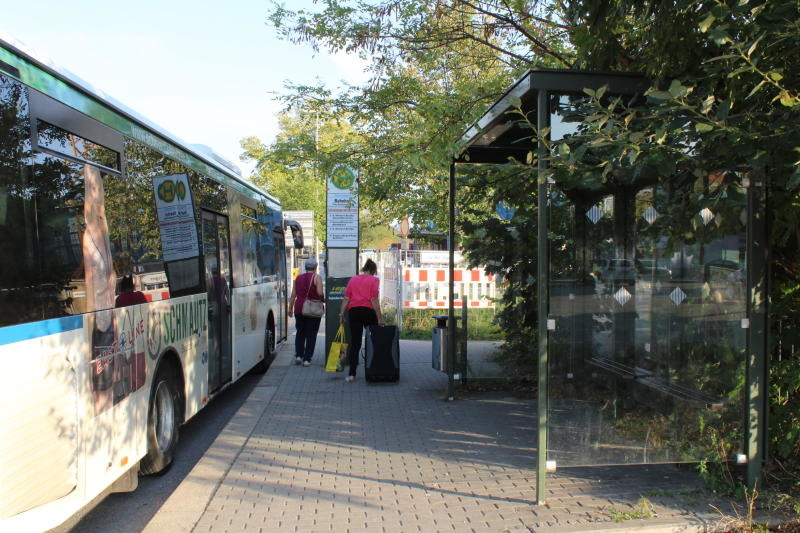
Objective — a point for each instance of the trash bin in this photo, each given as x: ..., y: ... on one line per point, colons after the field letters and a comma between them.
x: 440, y: 344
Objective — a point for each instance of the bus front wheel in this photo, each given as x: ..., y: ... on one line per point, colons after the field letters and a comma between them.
x: 162, y: 424
x: 269, y: 350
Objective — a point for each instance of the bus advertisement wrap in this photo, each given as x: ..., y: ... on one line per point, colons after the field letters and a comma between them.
x: 120, y: 367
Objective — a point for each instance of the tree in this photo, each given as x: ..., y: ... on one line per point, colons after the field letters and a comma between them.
x: 435, y: 65
x: 375, y: 236
x: 295, y: 166
x: 725, y: 98
x: 395, y: 31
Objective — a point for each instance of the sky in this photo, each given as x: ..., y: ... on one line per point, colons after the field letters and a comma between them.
x: 203, y: 70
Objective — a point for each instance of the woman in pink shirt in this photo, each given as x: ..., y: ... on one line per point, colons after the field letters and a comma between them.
x: 363, y: 307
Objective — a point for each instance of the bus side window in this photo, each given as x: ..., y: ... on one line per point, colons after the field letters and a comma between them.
x: 38, y: 220
x: 19, y: 294
x: 61, y: 224
x: 251, y: 229
x: 279, y: 238
x: 136, y: 235
x: 266, y: 244
x: 67, y: 184
x: 209, y: 194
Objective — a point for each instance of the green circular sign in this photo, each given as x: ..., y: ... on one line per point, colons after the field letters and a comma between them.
x: 166, y: 191
x: 180, y: 190
x: 343, y: 177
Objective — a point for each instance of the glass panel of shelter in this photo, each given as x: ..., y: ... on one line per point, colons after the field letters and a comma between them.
x: 647, y: 291
x: 492, y: 267
x: 485, y: 207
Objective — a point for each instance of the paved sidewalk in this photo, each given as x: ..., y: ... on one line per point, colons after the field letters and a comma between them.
x: 309, y: 452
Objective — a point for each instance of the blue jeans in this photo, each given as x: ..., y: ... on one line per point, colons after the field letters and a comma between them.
x: 306, y: 337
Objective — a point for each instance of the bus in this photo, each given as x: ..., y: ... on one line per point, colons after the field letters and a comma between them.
x: 94, y: 199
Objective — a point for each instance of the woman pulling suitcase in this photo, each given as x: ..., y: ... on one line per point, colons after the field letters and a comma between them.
x: 362, y: 304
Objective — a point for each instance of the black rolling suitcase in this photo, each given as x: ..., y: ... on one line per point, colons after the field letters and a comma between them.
x: 382, y: 353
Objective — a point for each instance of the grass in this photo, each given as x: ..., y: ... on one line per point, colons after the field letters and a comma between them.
x: 643, y: 509
x: 417, y: 324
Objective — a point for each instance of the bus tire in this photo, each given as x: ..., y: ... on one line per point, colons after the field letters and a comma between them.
x: 163, y: 419
x: 269, y: 351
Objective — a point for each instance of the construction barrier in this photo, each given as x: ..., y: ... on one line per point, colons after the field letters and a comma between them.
x: 427, y: 288
x: 156, y: 295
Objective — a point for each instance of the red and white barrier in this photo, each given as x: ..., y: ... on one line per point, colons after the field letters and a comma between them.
x: 427, y: 288
x: 156, y: 295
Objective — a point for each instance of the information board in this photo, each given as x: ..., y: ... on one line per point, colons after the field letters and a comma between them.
x: 342, y: 207
x: 176, y: 217
x: 342, y: 262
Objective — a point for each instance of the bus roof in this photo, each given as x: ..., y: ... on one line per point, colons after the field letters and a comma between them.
x: 200, y: 151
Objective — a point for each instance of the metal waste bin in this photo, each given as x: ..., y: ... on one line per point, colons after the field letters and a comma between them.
x: 440, y: 345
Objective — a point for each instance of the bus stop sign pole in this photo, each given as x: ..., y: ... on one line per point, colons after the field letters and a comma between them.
x: 341, y: 243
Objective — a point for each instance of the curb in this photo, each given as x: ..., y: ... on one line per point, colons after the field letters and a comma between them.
x: 184, y: 508
x: 695, y: 523
x: 689, y: 524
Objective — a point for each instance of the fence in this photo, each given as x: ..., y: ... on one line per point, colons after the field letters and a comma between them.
x: 427, y: 288
x: 412, y: 279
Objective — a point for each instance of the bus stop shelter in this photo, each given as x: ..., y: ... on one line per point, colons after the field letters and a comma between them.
x: 652, y: 334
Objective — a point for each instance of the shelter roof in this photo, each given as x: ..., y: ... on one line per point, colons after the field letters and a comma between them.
x: 501, y: 133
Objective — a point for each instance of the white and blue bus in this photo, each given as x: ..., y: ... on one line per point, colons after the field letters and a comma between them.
x: 95, y: 383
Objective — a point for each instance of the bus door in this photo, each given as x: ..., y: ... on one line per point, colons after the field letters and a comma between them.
x: 282, y: 327
x: 216, y: 248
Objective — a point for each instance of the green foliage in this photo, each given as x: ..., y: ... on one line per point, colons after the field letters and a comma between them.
x: 395, y: 31
x: 294, y: 168
x: 782, y: 501
x: 435, y: 65
x: 373, y: 235
x: 417, y: 324
x: 506, y: 249
x: 784, y: 378
x: 724, y: 100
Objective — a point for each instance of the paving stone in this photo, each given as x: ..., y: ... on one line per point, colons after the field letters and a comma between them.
x: 320, y: 454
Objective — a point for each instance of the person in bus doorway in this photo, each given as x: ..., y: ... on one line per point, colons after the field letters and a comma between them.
x: 128, y: 295
x: 306, y: 286
x: 363, y: 307
x: 129, y: 364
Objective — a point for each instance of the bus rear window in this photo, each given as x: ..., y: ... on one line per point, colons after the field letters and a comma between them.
x: 75, y: 147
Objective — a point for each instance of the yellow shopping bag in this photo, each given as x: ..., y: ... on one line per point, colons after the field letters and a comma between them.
x: 338, y: 352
